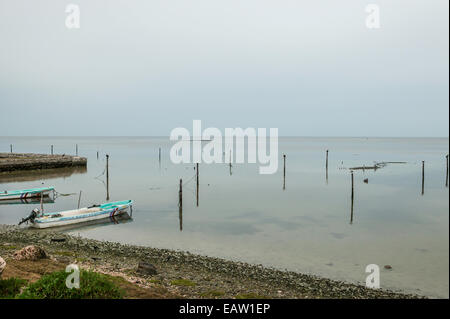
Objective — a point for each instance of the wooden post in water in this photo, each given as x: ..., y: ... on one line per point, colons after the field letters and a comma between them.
x: 180, y: 204
x: 79, y: 200
x: 10, y: 147
x: 230, y: 162
x: 326, y: 168
x: 197, y: 184
x: 159, y: 156
x: 107, y: 177
x: 446, y: 177
x: 76, y: 149
x: 52, y: 150
x: 97, y: 154
x: 423, y: 177
x: 42, y: 203
x: 353, y: 199
x: 284, y: 171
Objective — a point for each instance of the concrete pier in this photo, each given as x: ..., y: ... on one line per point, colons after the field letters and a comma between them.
x: 26, y: 161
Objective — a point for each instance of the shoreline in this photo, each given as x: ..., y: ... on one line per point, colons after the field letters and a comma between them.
x: 184, y: 274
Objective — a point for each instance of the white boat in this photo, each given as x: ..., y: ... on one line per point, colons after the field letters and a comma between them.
x: 26, y: 193
x: 47, y: 220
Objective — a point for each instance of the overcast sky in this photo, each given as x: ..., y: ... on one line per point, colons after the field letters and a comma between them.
x: 309, y: 68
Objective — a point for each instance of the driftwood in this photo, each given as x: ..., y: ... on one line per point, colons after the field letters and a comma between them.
x: 375, y: 166
x: 26, y: 161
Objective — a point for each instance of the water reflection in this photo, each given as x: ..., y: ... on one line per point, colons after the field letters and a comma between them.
x: 89, y: 225
x: 31, y: 200
x: 35, y: 175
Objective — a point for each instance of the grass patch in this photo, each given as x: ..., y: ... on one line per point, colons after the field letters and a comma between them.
x: 183, y: 282
x: 92, y: 286
x: 65, y: 253
x: 250, y: 296
x: 10, y: 247
x: 212, y: 293
x: 9, y: 288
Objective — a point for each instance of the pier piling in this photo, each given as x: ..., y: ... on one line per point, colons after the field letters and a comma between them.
x: 446, y: 176
x: 107, y: 177
x: 180, y: 204
x: 284, y: 171
x: 52, y: 149
x: 353, y: 199
x: 159, y: 156
x: 10, y: 148
x: 79, y: 200
x: 423, y: 177
x: 76, y: 149
x: 326, y: 168
x: 230, y: 163
x: 42, y: 202
x: 197, y: 184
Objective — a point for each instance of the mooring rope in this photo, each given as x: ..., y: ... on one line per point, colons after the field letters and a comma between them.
x: 101, y: 174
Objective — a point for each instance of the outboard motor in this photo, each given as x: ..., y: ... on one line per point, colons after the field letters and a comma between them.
x: 34, y: 213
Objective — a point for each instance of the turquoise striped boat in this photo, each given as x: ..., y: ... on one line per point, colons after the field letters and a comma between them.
x: 82, y: 215
x: 26, y: 193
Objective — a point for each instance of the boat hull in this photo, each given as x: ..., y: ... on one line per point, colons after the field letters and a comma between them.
x: 72, y: 218
x: 23, y: 195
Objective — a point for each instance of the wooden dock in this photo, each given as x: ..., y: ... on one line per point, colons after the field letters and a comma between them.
x: 10, y: 162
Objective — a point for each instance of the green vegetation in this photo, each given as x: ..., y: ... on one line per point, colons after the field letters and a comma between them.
x: 212, y: 293
x: 10, y: 247
x: 65, y: 253
x: 9, y: 288
x: 183, y: 282
x: 250, y: 296
x: 92, y: 286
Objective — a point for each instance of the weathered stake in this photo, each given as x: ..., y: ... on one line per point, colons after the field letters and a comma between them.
x: 326, y: 168
x: 42, y: 202
x: 446, y: 177
x: 97, y: 154
x: 353, y: 198
x: 180, y: 204
x: 230, y: 163
x: 79, y: 200
x: 76, y: 149
x: 52, y: 150
x: 423, y: 177
x: 107, y: 177
x: 284, y: 171
x: 159, y: 155
x: 10, y: 147
x: 197, y: 185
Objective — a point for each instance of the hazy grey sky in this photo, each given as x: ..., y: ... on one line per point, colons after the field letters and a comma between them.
x: 309, y: 68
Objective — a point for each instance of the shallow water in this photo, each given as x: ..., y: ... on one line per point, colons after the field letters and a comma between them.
x: 308, y: 227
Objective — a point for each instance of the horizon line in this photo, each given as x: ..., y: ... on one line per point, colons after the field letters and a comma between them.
x: 163, y: 136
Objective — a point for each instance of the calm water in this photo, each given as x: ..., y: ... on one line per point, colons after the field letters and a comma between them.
x: 245, y: 216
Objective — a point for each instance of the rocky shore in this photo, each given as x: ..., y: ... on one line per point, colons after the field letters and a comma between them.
x: 174, y: 274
